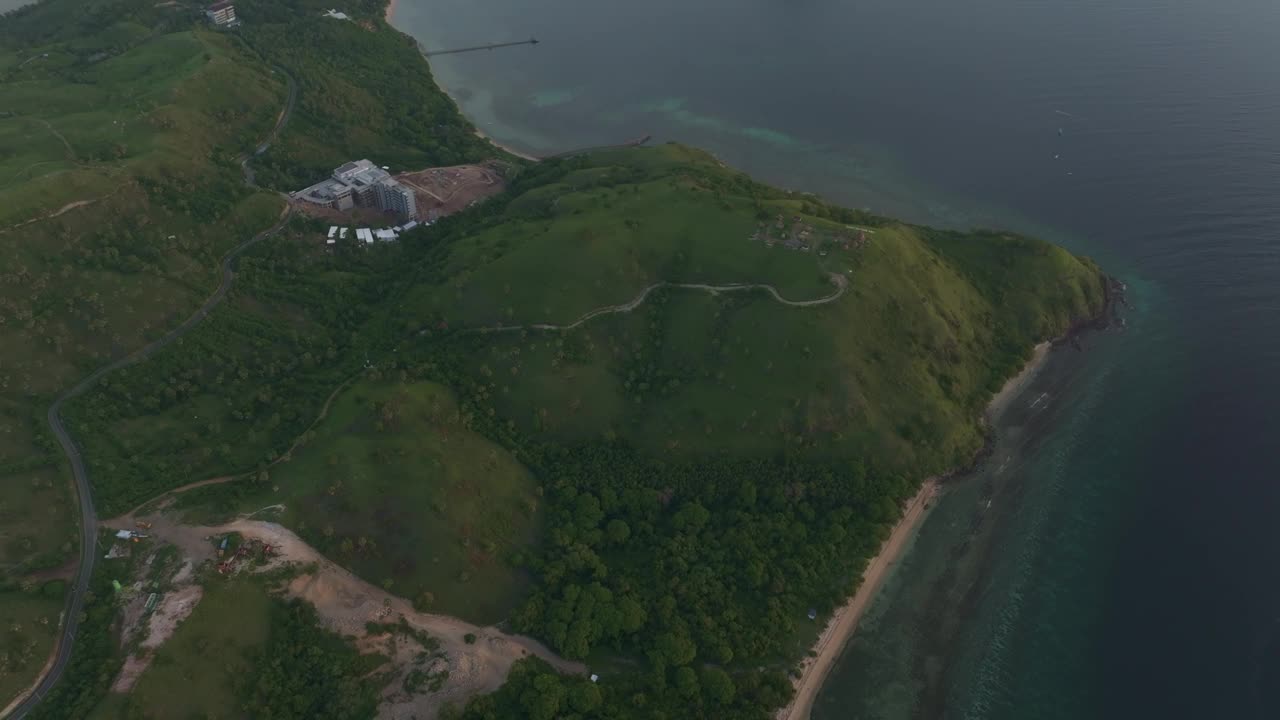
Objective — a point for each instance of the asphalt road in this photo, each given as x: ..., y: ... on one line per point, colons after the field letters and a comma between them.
x: 88, y: 515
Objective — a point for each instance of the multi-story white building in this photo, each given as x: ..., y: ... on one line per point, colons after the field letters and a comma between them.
x: 221, y: 13
x: 361, y: 183
x: 397, y: 198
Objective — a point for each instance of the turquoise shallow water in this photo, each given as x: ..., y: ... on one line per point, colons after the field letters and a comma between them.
x: 1126, y: 565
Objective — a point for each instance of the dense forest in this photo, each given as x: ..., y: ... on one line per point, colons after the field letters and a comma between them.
x: 716, y: 561
x: 307, y: 672
x: 533, y: 691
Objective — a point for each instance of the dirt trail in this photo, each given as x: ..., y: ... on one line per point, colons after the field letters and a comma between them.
x: 840, y: 281
x: 60, y: 211
x: 125, y: 521
x: 71, y: 153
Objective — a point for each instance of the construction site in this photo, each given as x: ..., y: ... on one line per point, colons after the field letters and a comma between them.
x: 166, y: 571
x: 437, y: 192
x: 447, y: 190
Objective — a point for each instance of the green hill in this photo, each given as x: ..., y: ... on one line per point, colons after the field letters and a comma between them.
x: 720, y: 444
x: 894, y: 368
x: 650, y: 409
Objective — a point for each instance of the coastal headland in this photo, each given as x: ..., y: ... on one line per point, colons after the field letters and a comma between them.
x: 637, y: 405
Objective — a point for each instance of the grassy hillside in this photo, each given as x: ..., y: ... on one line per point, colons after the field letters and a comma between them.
x: 894, y: 371
x: 198, y: 672
x: 119, y: 192
x: 395, y: 486
x: 122, y: 125
x: 364, y: 91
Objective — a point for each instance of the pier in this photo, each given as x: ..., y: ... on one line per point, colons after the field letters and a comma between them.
x: 583, y: 151
x: 490, y: 46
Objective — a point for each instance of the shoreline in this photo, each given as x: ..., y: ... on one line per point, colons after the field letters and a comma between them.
x: 1015, y: 385
x: 843, y: 623
x: 388, y: 16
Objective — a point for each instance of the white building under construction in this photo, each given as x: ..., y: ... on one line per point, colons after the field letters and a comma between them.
x: 362, y: 184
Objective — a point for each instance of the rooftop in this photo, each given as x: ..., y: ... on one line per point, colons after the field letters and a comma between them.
x: 360, y: 173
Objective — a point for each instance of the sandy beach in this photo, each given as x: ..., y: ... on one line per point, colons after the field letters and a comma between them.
x: 1013, y: 387
x: 844, y: 621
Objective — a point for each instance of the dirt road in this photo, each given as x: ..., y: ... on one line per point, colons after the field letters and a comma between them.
x: 840, y: 281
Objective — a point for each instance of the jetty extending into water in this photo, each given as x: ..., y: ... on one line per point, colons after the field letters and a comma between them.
x: 473, y: 48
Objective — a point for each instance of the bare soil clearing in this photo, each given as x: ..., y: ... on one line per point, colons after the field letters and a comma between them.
x: 175, y: 607
x: 448, y: 190
x: 346, y: 604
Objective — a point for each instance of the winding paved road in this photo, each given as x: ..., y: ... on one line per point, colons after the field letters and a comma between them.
x: 88, y: 515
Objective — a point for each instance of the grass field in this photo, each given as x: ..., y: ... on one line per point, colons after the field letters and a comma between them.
x: 195, y: 674
x: 393, y: 485
x: 600, y: 234
x: 239, y: 389
x: 30, y: 626
x: 34, y: 514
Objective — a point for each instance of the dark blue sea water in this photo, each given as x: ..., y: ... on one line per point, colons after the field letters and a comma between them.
x: 1128, y: 565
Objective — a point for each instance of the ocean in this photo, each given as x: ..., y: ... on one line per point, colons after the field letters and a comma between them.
x: 1116, y: 557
